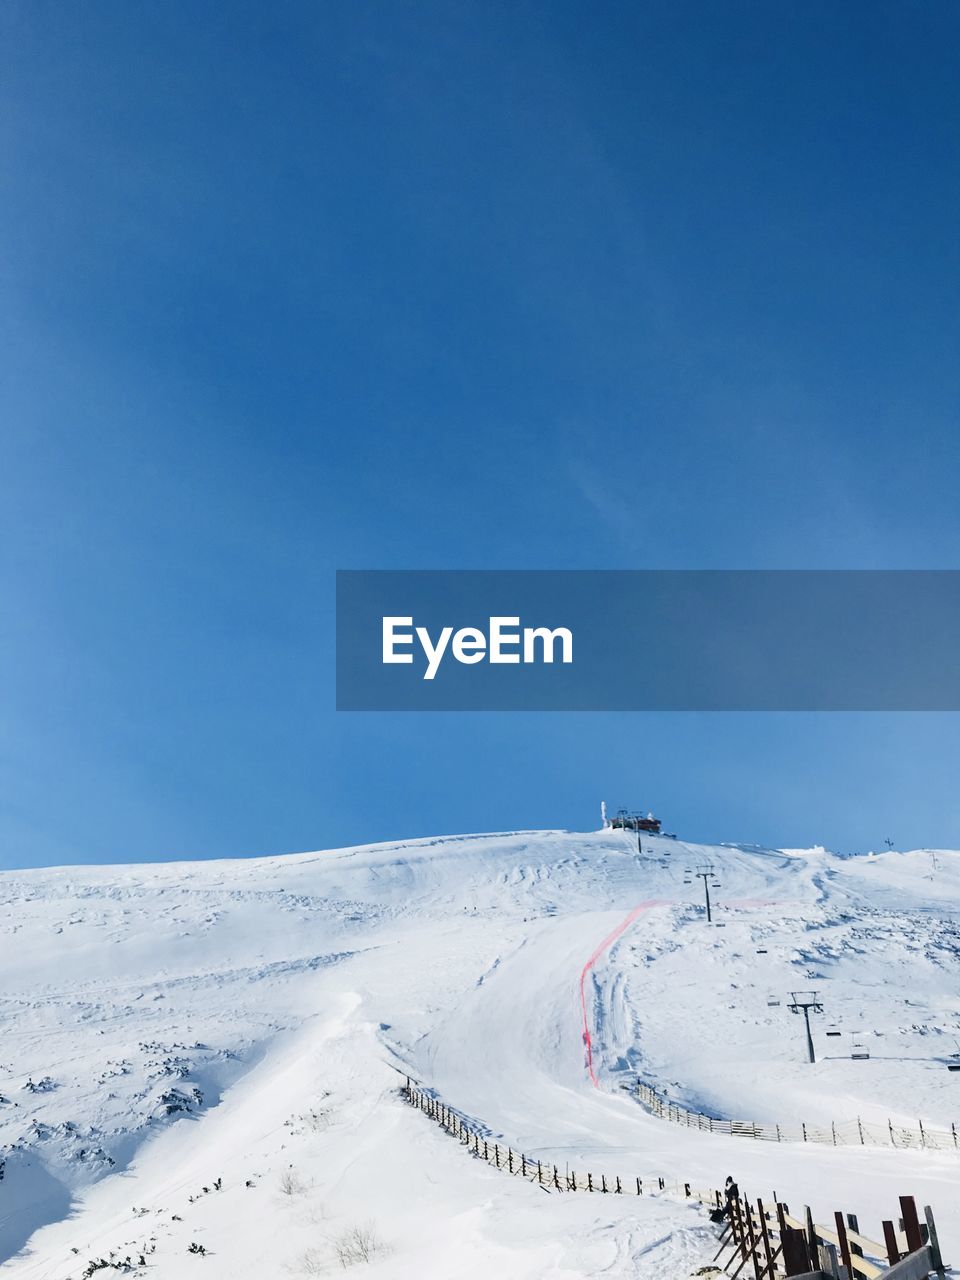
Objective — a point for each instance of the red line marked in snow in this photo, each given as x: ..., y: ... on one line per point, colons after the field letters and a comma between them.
x: 608, y: 941
x: 611, y: 938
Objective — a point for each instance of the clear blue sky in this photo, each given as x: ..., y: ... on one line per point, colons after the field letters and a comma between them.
x: 292, y: 287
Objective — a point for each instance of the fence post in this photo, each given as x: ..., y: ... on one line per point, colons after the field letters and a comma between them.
x: 496, y: 1152
x: 765, y: 1237
x: 639, y: 1187
x: 812, y: 1241
x: 844, y: 1244
x: 890, y: 1240
x: 740, y: 1233
x: 911, y: 1223
x: 833, y: 1130
x: 754, y: 1250
x: 804, y: 1128
x: 854, y: 1225
x: 893, y: 1141
x: 619, y: 1190
x: 935, y: 1256
x: 923, y: 1141
x: 860, y: 1127
x: 589, y: 1181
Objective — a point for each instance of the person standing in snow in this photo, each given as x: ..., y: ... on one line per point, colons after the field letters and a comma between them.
x: 732, y: 1192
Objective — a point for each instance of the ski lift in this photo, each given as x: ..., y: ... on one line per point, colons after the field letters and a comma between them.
x: 761, y: 951
x: 772, y: 1002
x: 858, y: 1050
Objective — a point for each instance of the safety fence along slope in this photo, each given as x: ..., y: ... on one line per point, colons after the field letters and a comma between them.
x: 763, y: 1243
x: 838, y: 1133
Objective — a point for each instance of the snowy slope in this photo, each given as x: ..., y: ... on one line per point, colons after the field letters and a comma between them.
x: 163, y: 1027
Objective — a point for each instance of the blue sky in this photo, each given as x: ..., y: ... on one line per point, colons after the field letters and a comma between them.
x: 296, y: 287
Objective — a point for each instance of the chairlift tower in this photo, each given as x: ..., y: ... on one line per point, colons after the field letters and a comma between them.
x: 708, y: 875
x: 806, y: 1002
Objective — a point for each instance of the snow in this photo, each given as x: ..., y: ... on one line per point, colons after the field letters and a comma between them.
x: 163, y: 1027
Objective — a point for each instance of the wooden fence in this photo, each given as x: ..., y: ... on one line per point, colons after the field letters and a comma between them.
x: 759, y: 1243
x: 838, y: 1133
x: 768, y: 1242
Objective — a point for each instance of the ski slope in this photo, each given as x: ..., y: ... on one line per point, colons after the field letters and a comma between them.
x: 163, y: 1027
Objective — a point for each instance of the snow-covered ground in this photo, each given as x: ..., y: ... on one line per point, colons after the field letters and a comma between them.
x: 207, y: 1053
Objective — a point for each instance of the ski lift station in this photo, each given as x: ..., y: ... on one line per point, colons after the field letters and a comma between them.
x: 636, y: 822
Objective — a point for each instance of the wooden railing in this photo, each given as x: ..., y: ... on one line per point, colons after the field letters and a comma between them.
x: 759, y: 1241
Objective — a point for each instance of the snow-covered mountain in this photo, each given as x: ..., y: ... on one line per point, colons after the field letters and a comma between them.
x: 207, y: 1054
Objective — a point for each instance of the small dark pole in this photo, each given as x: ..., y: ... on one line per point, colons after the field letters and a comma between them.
x: 854, y: 1225
x: 706, y: 873
x: 890, y: 1240
x: 844, y: 1243
x: 806, y: 1002
x: 765, y: 1236
x: 911, y: 1223
x: 812, y: 1240
x: 934, y: 1242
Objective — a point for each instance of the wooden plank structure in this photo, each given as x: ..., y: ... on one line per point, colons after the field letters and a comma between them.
x: 770, y: 1243
x: 758, y: 1241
